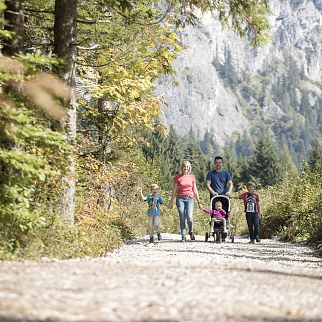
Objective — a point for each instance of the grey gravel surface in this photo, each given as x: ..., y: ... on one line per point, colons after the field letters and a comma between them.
x: 168, y: 281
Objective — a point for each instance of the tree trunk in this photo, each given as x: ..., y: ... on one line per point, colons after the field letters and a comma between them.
x: 14, y: 22
x: 65, y: 36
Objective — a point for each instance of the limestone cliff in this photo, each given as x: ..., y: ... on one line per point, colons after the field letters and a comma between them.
x: 230, y: 87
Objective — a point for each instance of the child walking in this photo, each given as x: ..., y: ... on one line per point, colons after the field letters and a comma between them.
x: 252, y: 209
x: 154, y: 201
x: 217, y: 215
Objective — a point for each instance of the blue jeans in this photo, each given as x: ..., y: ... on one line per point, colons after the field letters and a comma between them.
x: 253, y: 224
x: 185, y: 209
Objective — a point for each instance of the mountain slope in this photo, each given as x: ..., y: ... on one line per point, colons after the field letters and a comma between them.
x: 228, y: 87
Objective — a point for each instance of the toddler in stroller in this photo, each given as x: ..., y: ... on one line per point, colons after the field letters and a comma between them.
x: 219, y: 224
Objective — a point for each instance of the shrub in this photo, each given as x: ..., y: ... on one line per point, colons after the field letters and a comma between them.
x: 293, y: 208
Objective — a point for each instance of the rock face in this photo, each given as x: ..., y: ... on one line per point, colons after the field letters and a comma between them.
x: 224, y: 84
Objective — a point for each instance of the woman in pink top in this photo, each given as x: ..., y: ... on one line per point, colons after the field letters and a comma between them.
x: 184, y: 190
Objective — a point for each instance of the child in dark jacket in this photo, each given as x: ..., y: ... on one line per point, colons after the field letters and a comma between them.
x: 252, y: 209
x: 217, y: 215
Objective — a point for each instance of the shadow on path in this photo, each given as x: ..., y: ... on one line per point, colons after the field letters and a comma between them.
x: 256, y: 251
x: 261, y: 271
x: 242, y: 318
x: 14, y: 319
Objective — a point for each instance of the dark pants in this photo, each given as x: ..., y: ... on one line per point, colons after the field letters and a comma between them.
x: 253, y: 224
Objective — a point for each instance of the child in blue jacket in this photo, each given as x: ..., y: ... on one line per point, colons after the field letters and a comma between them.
x: 154, y: 201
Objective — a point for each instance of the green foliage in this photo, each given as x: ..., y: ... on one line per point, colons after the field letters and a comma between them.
x: 119, y: 106
x: 288, y: 167
x: 226, y: 70
x: 244, y: 145
x: 4, y: 34
x: 208, y: 144
x: 199, y: 162
x: 123, y: 47
x: 37, y: 61
x: 292, y: 210
x: 297, y: 99
x: 36, y: 157
x: 315, y: 157
x: 230, y: 160
x: 248, y: 18
x: 264, y: 164
x: 32, y: 157
x: 165, y: 151
x: 61, y: 240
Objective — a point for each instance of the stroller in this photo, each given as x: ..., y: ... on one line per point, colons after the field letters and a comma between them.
x: 219, y: 234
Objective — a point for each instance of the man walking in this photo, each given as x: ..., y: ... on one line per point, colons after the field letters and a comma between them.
x: 219, y: 181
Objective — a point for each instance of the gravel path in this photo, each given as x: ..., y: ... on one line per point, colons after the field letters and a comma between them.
x: 168, y: 281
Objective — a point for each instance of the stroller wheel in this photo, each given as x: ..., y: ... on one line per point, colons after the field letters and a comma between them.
x: 219, y: 238
x: 206, y: 237
x: 232, y: 238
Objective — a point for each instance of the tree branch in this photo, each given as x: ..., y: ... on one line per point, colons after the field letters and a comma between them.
x: 128, y: 18
x: 94, y: 47
x: 40, y: 11
x: 91, y: 21
x: 89, y: 65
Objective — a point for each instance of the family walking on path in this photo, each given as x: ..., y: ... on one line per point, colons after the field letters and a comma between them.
x: 184, y: 192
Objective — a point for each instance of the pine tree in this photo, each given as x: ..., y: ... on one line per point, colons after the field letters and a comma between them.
x: 165, y: 151
x: 265, y: 164
x: 208, y: 145
x: 175, y: 150
x: 230, y: 160
x: 288, y: 167
x: 315, y: 158
x: 243, y: 173
x: 193, y: 153
x: 244, y: 145
x: 170, y: 158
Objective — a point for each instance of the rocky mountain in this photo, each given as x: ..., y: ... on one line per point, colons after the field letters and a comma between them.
x: 232, y: 89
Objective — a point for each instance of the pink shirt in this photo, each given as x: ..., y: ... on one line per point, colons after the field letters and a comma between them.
x: 218, y: 214
x: 185, y: 185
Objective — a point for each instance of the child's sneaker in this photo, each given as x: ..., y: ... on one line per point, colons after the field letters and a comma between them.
x: 151, y: 239
x: 192, y: 236
x: 159, y: 236
x: 183, y: 239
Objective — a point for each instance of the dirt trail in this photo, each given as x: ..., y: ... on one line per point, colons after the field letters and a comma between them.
x: 168, y: 281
